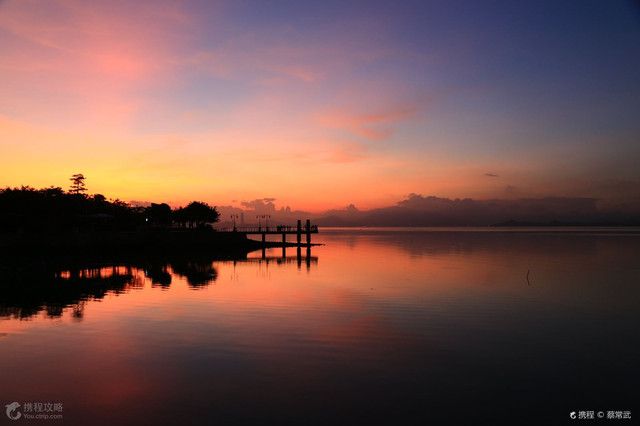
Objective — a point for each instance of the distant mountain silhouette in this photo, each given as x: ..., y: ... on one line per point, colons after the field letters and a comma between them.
x: 418, y: 210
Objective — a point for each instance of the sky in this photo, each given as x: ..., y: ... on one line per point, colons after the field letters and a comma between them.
x: 322, y: 104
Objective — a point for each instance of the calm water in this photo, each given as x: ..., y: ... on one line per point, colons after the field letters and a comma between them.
x: 376, y: 326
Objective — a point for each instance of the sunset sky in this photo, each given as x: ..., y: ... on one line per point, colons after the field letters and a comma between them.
x: 321, y: 104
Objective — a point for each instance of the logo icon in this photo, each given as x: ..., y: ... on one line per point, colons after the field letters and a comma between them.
x: 572, y: 414
x: 12, y: 411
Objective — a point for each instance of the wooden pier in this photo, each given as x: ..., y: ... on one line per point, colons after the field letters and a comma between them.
x: 283, y: 230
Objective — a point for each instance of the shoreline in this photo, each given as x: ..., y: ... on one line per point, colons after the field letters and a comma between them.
x: 141, y: 242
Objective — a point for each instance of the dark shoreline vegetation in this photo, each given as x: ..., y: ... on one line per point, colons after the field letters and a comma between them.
x: 51, y: 209
x: 100, y: 243
x: 56, y: 223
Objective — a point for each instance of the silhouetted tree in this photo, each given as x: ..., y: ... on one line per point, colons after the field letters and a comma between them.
x: 77, y: 184
x: 196, y: 214
x: 158, y: 214
x: 52, y: 209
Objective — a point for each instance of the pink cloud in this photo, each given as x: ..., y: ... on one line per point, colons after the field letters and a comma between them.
x: 84, y: 59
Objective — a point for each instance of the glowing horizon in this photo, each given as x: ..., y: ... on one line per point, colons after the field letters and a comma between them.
x: 320, y: 106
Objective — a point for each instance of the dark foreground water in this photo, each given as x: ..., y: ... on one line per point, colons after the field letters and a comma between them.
x: 375, y: 327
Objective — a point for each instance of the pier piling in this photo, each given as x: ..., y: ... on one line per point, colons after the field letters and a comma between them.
x: 281, y: 230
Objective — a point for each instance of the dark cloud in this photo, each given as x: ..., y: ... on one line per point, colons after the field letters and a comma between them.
x: 492, y: 175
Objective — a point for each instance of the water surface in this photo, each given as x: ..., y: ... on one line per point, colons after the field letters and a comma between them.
x: 384, y: 326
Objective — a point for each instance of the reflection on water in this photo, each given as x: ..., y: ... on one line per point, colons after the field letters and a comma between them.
x: 29, y: 290
x: 375, y: 326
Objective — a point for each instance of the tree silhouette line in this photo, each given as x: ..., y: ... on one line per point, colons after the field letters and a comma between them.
x: 54, y: 209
